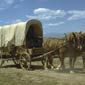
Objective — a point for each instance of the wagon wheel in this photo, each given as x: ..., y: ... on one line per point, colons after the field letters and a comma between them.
x: 25, y: 62
x: 2, y: 62
x: 16, y: 60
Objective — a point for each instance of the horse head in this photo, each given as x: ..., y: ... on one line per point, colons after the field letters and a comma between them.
x: 74, y: 39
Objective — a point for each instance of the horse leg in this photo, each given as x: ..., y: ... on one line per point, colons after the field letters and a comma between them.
x: 45, y: 62
x: 50, y: 60
x: 83, y: 58
x: 42, y: 61
x: 71, y: 64
x: 61, y: 66
x: 2, y: 61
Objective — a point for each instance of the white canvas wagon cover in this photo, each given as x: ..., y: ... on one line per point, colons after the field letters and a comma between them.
x: 16, y: 33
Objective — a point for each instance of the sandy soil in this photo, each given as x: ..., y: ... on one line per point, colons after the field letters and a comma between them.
x: 11, y: 75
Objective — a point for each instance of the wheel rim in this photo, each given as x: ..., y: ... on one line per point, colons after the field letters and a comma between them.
x: 24, y: 63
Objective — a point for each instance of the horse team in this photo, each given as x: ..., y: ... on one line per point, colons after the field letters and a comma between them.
x: 72, y: 46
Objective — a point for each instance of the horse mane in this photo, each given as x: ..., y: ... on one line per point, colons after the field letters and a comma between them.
x: 74, y: 34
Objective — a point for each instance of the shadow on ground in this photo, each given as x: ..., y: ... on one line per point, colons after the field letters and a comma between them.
x: 40, y: 67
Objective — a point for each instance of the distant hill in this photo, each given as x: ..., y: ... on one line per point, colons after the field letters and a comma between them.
x: 54, y: 35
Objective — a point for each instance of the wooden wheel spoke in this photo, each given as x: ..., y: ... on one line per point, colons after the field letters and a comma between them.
x: 24, y: 63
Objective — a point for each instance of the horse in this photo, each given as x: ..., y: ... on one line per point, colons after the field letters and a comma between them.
x: 51, y: 44
x: 71, y: 48
x: 81, y: 39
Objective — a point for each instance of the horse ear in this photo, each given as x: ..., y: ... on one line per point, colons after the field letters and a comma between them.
x: 80, y: 32
x: 74, y: 34
x: 65, y: 36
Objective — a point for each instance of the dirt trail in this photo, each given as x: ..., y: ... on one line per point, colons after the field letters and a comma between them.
x: 10, y: 75
x: 39, y: 77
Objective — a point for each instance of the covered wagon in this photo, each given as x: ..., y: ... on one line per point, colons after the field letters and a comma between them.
x: 27, y: 37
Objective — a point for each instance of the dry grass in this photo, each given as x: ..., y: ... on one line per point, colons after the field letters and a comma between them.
x: 10, y: 75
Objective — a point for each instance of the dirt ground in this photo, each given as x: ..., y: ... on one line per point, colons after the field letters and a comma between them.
x: 11, y: 75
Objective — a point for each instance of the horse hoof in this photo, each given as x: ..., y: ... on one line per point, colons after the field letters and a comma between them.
x: 52, y: 67
x: 46, y: 69
x: 72, y: 72
x: 83, y: 69
x: 57, y: 68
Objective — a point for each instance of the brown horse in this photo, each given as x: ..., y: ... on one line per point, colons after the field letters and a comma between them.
x: 81, y: 39
x: 51, y: 44
x: 71, y: 49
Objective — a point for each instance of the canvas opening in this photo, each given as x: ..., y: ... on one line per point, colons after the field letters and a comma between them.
x: 34, y: 36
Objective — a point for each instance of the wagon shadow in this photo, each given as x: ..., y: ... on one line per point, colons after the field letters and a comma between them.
x: 40, y: 67
x: 79, y: 70
x: 37, y: 67
x: 11, y: 66
x: 33, y: 67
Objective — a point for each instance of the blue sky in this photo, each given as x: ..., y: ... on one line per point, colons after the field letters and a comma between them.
x: 57, y: 16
